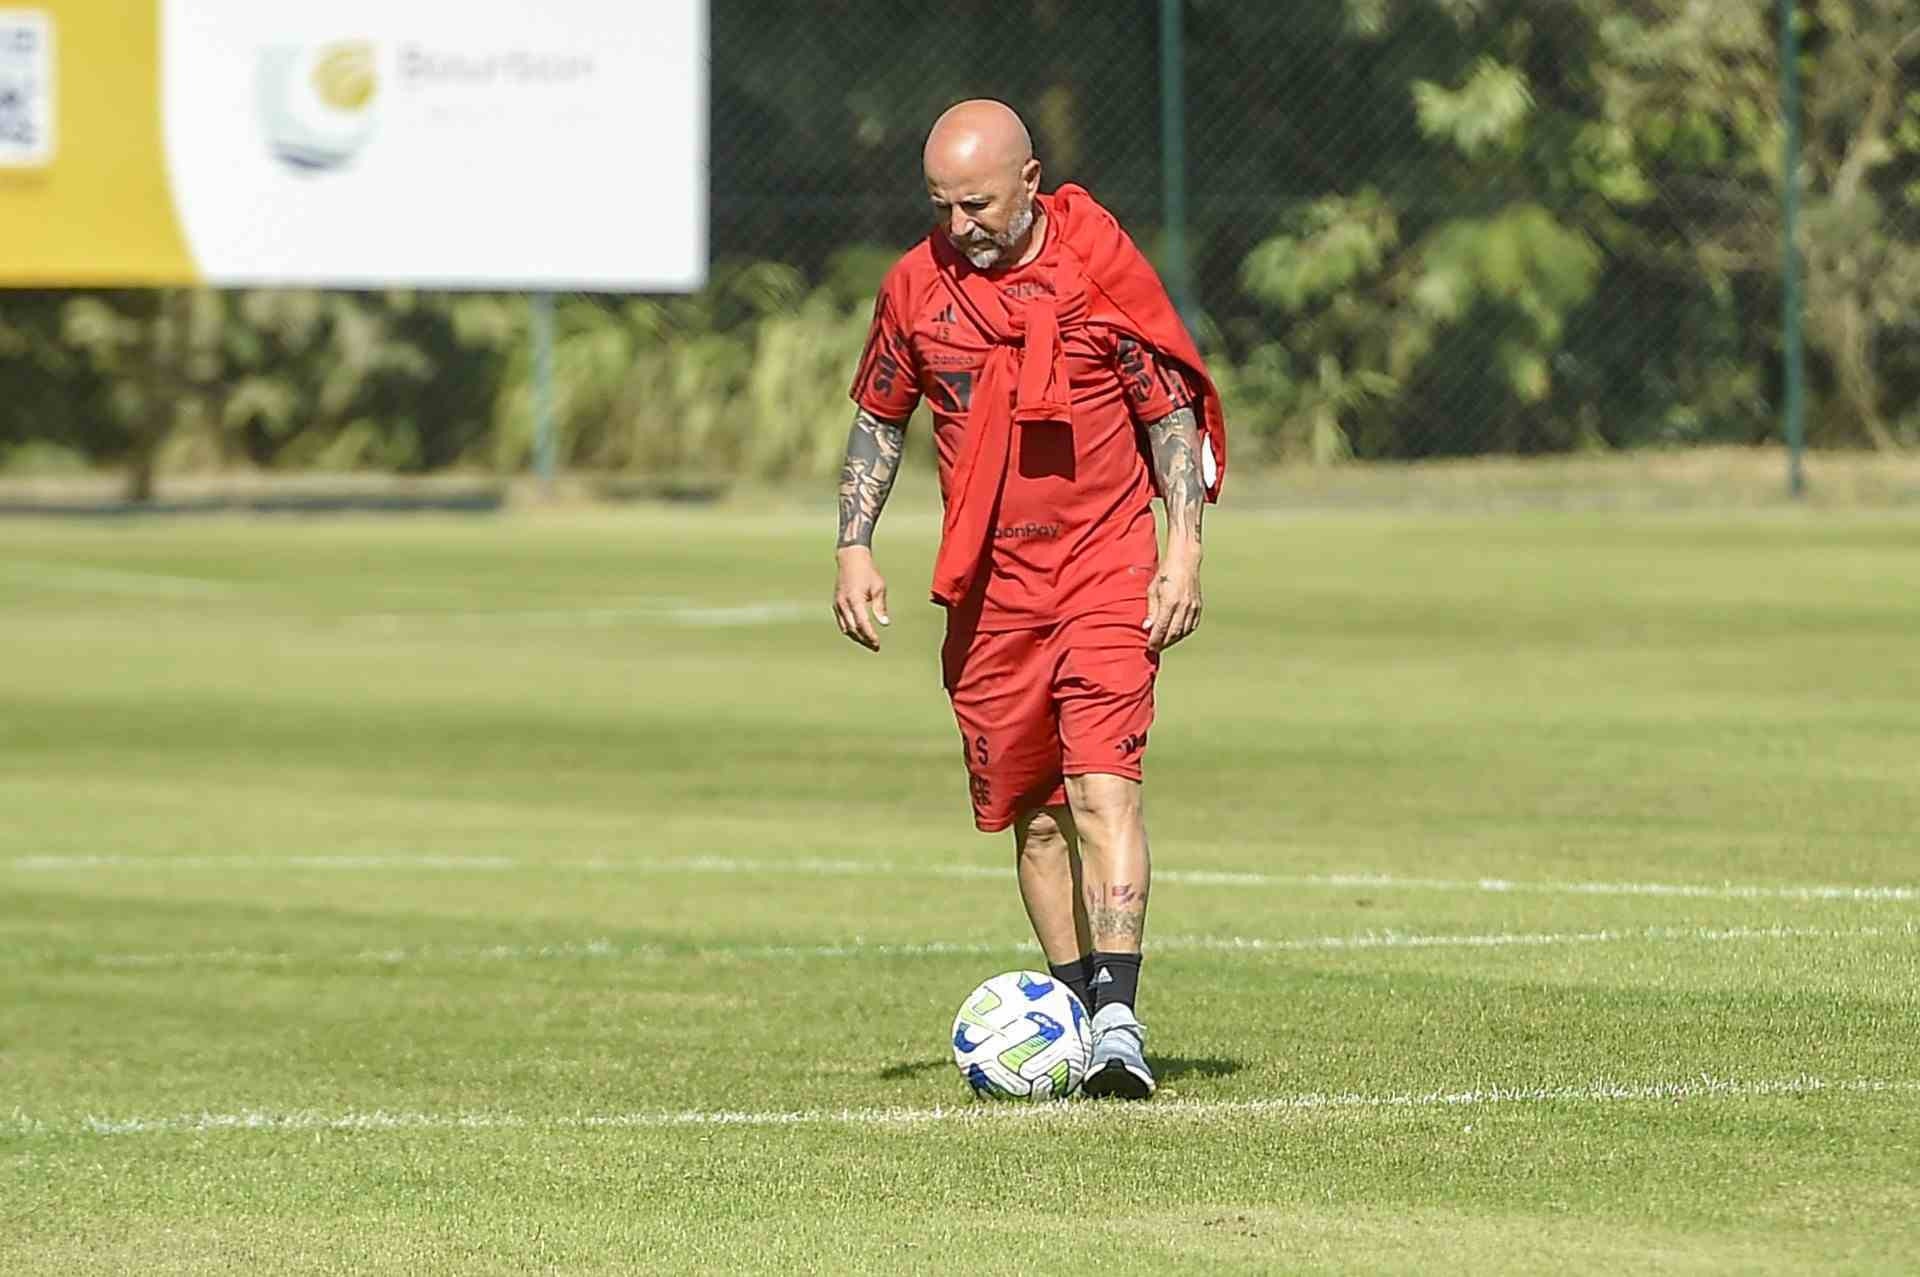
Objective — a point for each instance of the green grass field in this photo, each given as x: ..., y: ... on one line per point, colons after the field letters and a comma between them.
x: 561, y: 893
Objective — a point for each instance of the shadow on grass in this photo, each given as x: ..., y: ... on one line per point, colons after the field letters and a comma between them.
x: 1167, y: 1069
x: 911, y: 1068
x: 1172, y: 1068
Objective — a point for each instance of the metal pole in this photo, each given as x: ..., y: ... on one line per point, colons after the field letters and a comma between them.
x: 1794, y: 410
x: 1173, y: 154
x: 543, y: 441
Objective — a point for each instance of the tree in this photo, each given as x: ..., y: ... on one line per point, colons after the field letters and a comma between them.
x: 1698, y: 89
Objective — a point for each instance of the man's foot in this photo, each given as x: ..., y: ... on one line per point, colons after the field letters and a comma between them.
x: 1119, y: 1068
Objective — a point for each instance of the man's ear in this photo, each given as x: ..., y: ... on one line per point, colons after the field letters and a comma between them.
x: 1030, y: 176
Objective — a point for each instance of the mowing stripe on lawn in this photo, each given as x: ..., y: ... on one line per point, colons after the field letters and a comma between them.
x: 76, y: 578
x: 605, y: 949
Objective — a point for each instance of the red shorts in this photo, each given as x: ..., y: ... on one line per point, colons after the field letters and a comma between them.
x: 1036, y: 706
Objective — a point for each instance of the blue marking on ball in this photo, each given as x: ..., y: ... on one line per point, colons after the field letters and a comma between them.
x: 1049, y: 1028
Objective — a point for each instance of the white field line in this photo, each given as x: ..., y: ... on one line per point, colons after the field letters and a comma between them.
x: 1070, y: 1113
x: 1341, y: 881
x: 881, y: 868
x: 744, y: 614
x: 856, y: 948
x: 670, y: 611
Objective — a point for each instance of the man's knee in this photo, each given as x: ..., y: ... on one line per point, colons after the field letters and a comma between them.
x: 1044, y: 832
x: 1104, y: 800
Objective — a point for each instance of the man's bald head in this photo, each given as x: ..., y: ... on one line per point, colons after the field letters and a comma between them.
x: 982, y: 177
x: 977, y: 134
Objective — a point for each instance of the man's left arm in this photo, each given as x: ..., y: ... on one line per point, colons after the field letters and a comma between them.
x: 1173, y: 600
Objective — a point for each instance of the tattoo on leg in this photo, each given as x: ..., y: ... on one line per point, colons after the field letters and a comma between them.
x: 1116, y: 909
x: 873, y: 459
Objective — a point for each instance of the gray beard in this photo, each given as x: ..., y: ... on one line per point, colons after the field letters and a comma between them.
x: 988, y: 255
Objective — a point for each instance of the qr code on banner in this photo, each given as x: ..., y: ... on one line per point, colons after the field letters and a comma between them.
x: 26, y: 88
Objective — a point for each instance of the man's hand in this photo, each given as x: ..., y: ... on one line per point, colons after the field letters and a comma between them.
x: 860, y: 597
x: 1173, y: 600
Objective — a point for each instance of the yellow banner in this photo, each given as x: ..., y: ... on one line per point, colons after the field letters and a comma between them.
x: 98, y: 207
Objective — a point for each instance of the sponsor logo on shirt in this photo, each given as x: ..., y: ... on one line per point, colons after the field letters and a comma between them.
x: 1027, y: 532
x: 1133, y: 369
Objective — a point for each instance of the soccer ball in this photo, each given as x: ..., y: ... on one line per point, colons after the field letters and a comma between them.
x: 1022, y: 1036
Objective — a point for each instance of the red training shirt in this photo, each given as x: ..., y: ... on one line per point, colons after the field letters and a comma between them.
x: 1074, y: 530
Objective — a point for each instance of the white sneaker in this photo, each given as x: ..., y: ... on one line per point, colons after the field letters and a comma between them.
x: 1119, y: 1067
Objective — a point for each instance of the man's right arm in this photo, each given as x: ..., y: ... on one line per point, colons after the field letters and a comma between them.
x: 874, y: 447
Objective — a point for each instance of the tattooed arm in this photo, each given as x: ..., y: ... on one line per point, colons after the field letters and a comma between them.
x: 873, y: 458
x: 873, y: 455
x: 1173, y: 600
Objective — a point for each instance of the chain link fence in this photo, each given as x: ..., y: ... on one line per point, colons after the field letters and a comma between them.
x: 1413, y: 228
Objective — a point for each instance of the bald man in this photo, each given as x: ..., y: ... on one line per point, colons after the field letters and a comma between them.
x: 1065, y: 395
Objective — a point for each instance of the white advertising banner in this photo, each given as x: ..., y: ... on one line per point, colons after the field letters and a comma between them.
x: 26, y: 88
x: 506, y: 144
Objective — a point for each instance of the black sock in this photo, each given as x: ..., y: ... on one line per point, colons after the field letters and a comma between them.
x: 1116, y: 978
x: 1075, y: 976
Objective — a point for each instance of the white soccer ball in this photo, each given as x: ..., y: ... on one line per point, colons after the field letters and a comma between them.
x: 1022, y: 1036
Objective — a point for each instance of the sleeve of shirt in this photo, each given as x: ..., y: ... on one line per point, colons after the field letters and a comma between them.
x: 1154, y: 386
x: 888, y: 382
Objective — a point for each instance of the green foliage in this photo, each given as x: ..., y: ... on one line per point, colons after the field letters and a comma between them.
x: 1416, y: 227
x: 748, y: 376
x: 1334, y: 243
x: 1487, y: 113
x: 1520, y: 259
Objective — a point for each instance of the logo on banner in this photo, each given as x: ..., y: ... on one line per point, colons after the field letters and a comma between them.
x: 318, y: 105
x: 26, y: 88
